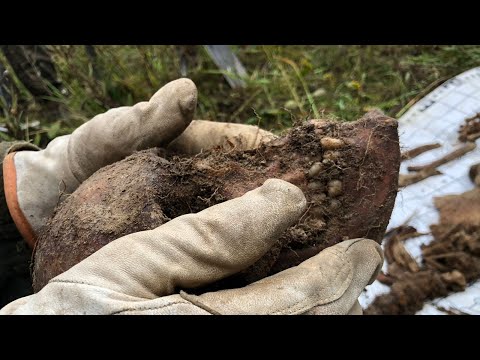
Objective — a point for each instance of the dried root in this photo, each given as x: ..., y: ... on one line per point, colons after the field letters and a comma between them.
x: 410, y: 154
x: 470, y: 131
x: 450, y: 262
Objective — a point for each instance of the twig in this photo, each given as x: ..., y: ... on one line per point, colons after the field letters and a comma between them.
x: 470, y: 131
x: 410, y: 235
x: 409, y: 179
x: 395, y: 251
x: 398, y: 254
x: 450, y: 311
x: 242, y: 107
x: 410, y: 154
x: 473, y: 137
x: 447, y: 158
x: 385, y: 279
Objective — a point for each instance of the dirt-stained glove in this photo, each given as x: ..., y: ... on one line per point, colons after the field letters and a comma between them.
x: 203, y: 134
x: 36, y: 181
x: 144, y: 272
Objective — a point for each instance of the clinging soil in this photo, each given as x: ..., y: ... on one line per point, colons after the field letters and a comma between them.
x: 347, y: 171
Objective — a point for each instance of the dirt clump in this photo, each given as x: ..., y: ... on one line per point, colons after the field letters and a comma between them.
x: 450, y: 262
x: 470, y: 130
x: 347, y: 170
x: 474, y: 174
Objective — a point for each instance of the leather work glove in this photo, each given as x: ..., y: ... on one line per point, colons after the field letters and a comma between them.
x: 36, y: 181
x: 142, y: 273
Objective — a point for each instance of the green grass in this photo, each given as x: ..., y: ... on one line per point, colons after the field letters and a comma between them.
x: 285, y: 83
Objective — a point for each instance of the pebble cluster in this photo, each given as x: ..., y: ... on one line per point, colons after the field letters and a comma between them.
x: 322, y: 180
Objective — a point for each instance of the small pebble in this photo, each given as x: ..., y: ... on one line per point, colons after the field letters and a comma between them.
x: 331, y: 155
x: 315, y: 169
x: 316, y: 212
x: 334, y: 205
x: 316, y: 223
x: 335, y: 188
x: 319, y: 198
x: 330, y: 143
x: 314, y: 185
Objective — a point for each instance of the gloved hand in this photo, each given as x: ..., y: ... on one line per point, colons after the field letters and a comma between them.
x: 193, y: 250
x: 36, y: 181
x: 142, y: 273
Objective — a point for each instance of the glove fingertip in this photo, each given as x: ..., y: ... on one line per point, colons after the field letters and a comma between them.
x: 369, y: 250
x: 287, y: 195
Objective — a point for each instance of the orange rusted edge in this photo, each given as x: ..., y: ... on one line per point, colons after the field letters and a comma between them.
x: 10, y: 188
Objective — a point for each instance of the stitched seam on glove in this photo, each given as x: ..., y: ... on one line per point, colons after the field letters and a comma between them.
x: 146, y: 308
x: 9, y: 147
x: 187, y: 301
x: 196, y: 301
x: 80, y: 283
x: 130, y: 307
x: 354, y: 242
x: 303, y: 308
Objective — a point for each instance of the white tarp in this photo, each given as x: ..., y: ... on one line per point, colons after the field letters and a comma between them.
x: 436, y: 118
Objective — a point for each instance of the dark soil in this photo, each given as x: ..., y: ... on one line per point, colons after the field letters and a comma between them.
x: 348, y: 172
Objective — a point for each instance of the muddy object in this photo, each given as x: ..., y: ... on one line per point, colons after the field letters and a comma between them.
x: 395, y: 252
x: 150, y: 187
x: 474, y: 174
x: 470, y: 130
x: 409, y: 293
x: 451, y: 262
x: 463, y: 209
